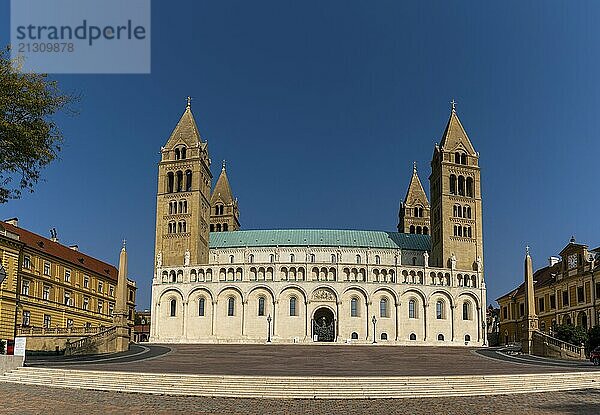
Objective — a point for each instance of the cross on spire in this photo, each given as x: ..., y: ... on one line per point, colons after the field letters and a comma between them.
x: 189, y: 102
x: 223, y: 165
x: 453, y: 103
x: 124, y: 243
x: 527, y: 249
x: 414, y: 166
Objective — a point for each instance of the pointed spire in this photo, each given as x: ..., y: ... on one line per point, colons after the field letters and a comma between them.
x: 186, y: 129
x: 222, y: 190
x: 455, y: 135
x: 415, y: 191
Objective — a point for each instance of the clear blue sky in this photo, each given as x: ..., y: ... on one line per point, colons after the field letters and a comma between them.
x: 320, y: 109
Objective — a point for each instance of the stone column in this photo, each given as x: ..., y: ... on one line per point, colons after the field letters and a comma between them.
x: 531, y: 320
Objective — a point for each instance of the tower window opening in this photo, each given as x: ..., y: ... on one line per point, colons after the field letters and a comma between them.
x: 469, y: 186
x: 412, y: 228
x: 177, y: 154
x: 170, y: 181
x: 188, y: 180
x: 461, y: 185
x: 179, y: 181
x: 183, y: 151
x: 452, y: 184
x: 425, y: 230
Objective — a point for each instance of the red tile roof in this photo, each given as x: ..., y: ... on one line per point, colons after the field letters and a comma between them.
x: 541, y: 278
x: 55, y: 249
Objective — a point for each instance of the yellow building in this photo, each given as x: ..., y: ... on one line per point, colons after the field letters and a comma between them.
x: 51, y: 287
x: 566, y: 291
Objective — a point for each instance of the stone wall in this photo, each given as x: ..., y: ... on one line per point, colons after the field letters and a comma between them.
x: 8, y: 363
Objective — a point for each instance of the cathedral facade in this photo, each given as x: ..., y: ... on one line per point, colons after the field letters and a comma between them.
x: 215, y: 283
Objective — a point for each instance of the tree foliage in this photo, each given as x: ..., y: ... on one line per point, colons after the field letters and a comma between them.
x: 571, y: 334
x: 29, y: 136
x: 594, y: 338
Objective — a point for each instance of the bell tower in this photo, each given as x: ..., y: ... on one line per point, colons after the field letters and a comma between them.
x: 414, y: 211
x: 183, y: 197
x: 455, y: 188
x: 225, y: 214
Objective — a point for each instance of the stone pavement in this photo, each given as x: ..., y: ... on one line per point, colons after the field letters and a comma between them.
x: 24, y: 399
x: 321, y: 360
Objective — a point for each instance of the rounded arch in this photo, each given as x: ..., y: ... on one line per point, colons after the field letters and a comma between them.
x: 329, y: 287
x: 470, y: 296
x: 170, y: 290
x: 416, y: 291
x: 444, y: 294
x: 293, y: 286
x: 232, y: 288
x: 261, y: 287
x: 357, y: 288
x: 198, y: 290
x: 390, y: 292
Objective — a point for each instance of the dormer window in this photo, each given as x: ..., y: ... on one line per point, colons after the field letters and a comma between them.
x: 180, y: 153
x: 460, y: 158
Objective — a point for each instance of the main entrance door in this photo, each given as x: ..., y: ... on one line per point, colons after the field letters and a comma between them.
x: 323, y: 325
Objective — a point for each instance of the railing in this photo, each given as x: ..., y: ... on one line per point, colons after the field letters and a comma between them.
x: 562, y: 345
x: 59, y: 331
x: 71, y: 347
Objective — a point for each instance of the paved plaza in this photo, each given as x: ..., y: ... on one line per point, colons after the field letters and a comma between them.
x: 319, y: 360
x: 27, y: 399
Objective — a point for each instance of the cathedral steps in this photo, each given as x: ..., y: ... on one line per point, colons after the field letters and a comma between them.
x: 304, y: 387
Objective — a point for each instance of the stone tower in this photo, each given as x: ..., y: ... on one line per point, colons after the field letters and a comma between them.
x: 455, y: 189
x: 182, y: 201
x: 414, y: 211
x: 224, y: 215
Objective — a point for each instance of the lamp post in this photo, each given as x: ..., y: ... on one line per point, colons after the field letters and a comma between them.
x: 269, y: 328
x: 374, y: 320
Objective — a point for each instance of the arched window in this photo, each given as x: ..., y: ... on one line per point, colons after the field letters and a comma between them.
x: 201, y: 304
x: 425, y: 230
x: 452, y: 184
x: 170, y: 181
x: 212, y: 227
x: 466, y: 311
x: 292, y: 257
x: 261, y: 306
x: 293, y: 310
x: 383, y: 308
x: 457, y: 157
x: 414, y: 261
x: 420, y: 212
x: 184, y: 226
x: 231, y: 259
x: 412, y: 309
x: 439, y: 310
x: 218, y: 227
x: 384, y: 336
x: 463, y: 159
x: 467, y: 338
x: 272, y: 258
x: 179, y: 181
x: 377, y: 259
x: 225, y: 227
x: 333, y: 258
x: 413, y: 336
x: 469, y: 186
x: 188, y: 180
x: 312, y: 257
x: 251, y: 258
x: 412, y: 228
x: 231, y: 306
x: 177, y: 154
x: 416, y: 212
x: 354, y: 307
x: 354, y: 335
x: 419, y: 230
x: 183, y: 152
x: 440, y: 337
x: 173, y: 307
x: 461, y: 185
x: 358, y: 259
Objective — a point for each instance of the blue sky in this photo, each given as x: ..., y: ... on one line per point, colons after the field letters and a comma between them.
x: 320, y: 109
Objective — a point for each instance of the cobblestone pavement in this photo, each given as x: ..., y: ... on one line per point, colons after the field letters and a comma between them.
x: 328, y: 360
x: 25, y: 399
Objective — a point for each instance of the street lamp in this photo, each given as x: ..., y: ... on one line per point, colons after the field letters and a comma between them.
x: 2, y: 274
x: 269, y: 328
x: 374, y: 320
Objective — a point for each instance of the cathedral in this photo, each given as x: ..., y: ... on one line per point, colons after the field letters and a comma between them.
x: 215, y: 283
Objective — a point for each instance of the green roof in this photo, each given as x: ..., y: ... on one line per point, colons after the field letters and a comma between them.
x: 320, y: 237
